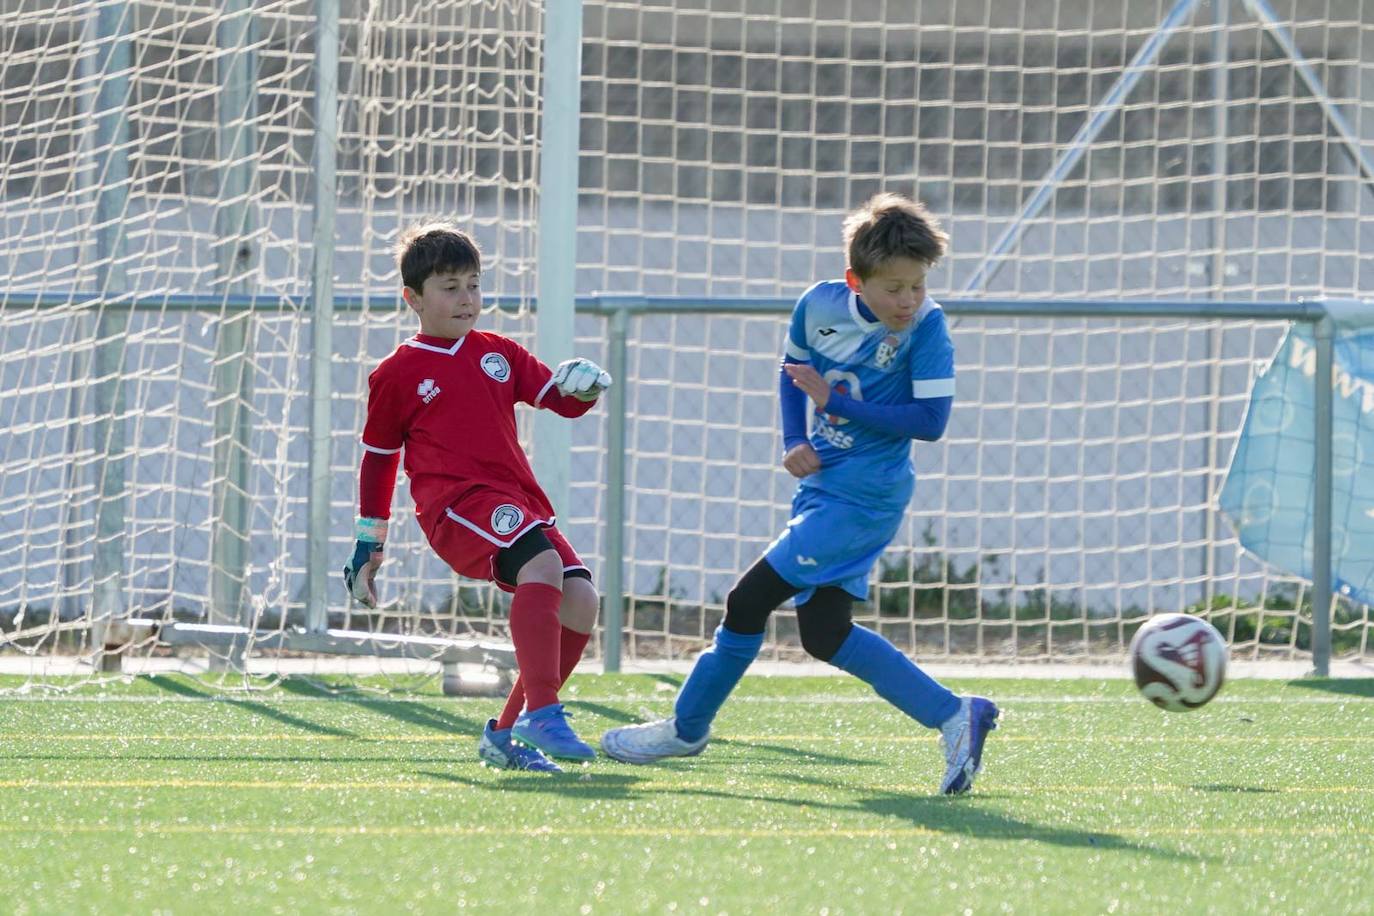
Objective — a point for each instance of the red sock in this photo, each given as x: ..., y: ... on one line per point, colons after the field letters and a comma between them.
x: 534, y: 630
x: 570, y: 646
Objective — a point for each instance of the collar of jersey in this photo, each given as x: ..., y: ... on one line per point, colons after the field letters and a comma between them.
x: 436, y: 344
x: 858, y: 316
x: 870, y: 326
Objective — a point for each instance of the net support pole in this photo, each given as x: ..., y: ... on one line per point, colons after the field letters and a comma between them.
x: 557, y: 248
x: 1097, y: 121
x: 1321, y: 503
x: 113, y: 64
x: 613, y: 572
x: 234, y: 224
x: 1221, y: 90
x: 322, y: 309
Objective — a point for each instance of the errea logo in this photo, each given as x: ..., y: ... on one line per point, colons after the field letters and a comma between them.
x: 428, y: 390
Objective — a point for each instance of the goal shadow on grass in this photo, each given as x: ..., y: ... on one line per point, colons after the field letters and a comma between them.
x: 413, y: 712
x: 1353, y: 686
x: 187, y: 688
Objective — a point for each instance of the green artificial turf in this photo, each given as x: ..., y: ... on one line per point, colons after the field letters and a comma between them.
x: 169, y: 794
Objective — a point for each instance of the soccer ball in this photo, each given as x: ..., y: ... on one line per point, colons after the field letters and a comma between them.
x: 1179, y: 661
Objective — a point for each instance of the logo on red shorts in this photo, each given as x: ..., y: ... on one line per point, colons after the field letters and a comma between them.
x: 506, y: 518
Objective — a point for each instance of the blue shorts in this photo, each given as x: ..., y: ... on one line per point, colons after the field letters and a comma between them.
x: 830, y: 542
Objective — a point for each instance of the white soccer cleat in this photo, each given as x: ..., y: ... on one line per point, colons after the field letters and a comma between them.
x: 649, y: 742
x: 962, y: 737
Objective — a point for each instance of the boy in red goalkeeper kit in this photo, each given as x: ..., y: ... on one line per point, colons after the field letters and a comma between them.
x: 446, y: 400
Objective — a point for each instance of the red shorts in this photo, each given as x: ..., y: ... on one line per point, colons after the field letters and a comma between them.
x: 471, y: 532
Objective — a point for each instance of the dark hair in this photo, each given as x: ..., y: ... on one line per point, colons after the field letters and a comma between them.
x: 435, y: 247
x: 891, y: 226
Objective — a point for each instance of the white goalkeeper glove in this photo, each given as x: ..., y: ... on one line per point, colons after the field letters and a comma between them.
x: 360, y: 575
x: 581, y: 378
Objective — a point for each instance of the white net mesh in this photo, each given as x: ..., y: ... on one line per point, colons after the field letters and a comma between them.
x: 159, y: 154
x: 1072, y: 495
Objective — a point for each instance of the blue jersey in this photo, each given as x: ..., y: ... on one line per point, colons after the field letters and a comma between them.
x: 867, y: 361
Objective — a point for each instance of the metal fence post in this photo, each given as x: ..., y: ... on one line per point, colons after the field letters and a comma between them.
x: 613, y: 601
x: 1321, y: 504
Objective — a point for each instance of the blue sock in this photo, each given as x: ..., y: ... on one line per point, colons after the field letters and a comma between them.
x: 715, y: 674
x: 869, y: 657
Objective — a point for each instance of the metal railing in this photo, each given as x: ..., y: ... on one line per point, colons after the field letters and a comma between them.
x: 618, y: 310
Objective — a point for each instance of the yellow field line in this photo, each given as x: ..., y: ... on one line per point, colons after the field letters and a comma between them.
x: 281, y: 736
x: 654, y: 785
x: 686, y: 833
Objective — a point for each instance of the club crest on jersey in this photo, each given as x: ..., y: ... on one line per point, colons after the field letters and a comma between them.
x: 506, y: 518
x: 428, y: 390
x: 495, y: 365
x: 887, y: 350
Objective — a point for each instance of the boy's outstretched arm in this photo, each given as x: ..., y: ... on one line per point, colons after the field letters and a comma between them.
x: 922, y: 418
x: 569, y: 391
x: 376, y: 485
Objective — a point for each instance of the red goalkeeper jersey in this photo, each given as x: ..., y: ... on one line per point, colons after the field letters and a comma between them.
x: 450, y: 404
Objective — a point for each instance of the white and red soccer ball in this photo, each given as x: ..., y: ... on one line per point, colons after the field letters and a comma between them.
x: 1179, y: 661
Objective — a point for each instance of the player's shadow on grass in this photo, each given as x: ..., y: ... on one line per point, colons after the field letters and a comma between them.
x: 599, y: 786
x: 797, y: 753
x: 411, y: 711
x: 959, y: 816
x: 949, y: 815
x: 1354, y: 686
x: 189, y: 689
x: 601, y: 709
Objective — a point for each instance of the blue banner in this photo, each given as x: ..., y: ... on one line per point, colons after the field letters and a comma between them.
x: 1269, y: 488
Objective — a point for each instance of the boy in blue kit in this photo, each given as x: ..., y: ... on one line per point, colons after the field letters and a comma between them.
x: 873, y: 356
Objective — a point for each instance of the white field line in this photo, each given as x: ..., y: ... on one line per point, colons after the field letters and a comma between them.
x: 666, y: 697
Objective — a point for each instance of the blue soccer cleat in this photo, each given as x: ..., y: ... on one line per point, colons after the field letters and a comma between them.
x: 649, y: 742
x: 962, y: 736
x: 548, y: 730
x: 498, y: 750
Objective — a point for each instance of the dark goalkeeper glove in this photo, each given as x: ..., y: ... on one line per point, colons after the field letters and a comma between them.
x: 360, y: 575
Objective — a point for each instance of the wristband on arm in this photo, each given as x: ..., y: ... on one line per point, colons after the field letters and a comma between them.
x: 372, y: 530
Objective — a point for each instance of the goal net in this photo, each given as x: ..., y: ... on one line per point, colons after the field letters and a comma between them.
x: 1091, y: 149
x: 155, y: 338
x: 154, y: 286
